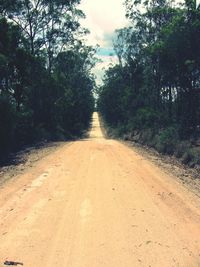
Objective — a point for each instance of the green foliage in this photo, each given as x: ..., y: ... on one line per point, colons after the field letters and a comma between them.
x: 191, y: 157
x: 146, y: 118
x: 7, y: 124
x: 46, y: 25
x: 155, y: 88
x: 39, y: 101
x: 181, y: 148
x: 166, y: 140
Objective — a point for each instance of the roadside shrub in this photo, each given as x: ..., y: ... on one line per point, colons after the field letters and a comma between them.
x: 24, y: 131
x: 186, y: 158
x: 120, y: 130
x: 41, y: 134
x: 146, y: 136
x: 191, y: 157
x: 7, y: 121
x: 166, y: 140
x: 181, y: 148
x: 196, y: 156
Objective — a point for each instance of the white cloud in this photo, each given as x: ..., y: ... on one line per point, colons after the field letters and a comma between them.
x: 103, y: 17
x: 105, y: 62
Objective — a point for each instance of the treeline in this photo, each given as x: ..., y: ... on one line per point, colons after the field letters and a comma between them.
x: 45, y: 72
x: 153, y: 94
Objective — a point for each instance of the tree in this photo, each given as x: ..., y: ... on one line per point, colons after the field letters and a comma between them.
x: 46, y: 85
x: 156, y: 84
x: 47, y: 25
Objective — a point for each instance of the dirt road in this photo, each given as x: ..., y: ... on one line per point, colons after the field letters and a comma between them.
x: 95, y: 203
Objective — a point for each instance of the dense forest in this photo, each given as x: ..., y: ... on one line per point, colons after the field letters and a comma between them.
x: 153, y: 94
x: 45, y: 72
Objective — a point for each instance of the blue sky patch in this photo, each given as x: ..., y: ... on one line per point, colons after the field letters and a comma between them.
x: 106, y: 52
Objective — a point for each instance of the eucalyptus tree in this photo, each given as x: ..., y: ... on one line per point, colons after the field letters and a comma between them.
x: 45, y: 72
x: 73, y: 72
x: 159, y: 67
x: 49, y: 26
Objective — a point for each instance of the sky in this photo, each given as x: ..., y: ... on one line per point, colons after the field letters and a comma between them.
x: 103, y: 17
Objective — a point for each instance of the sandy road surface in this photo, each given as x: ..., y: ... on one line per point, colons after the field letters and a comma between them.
x: 98, y: 203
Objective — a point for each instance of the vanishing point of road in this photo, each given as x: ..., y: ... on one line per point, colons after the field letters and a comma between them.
x: 97, y: 202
